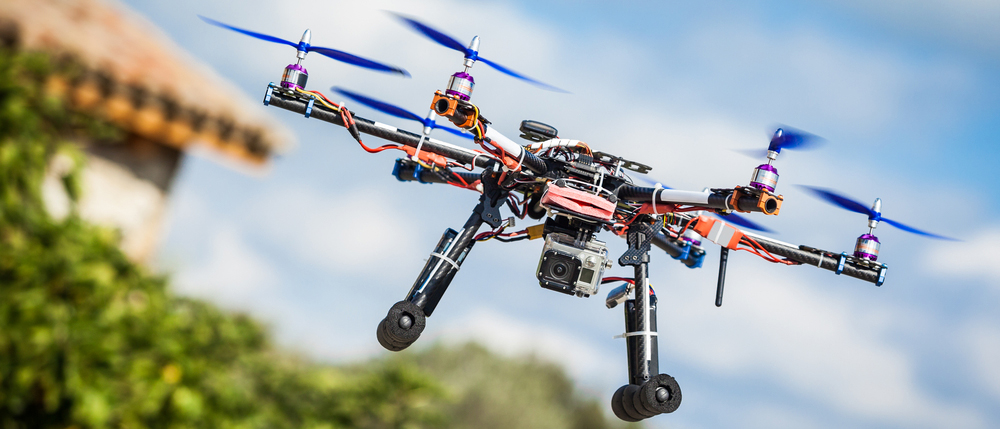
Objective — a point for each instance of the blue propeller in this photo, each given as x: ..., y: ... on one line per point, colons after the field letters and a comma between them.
x: 736, y: 219
x: 304, y: 47
x: 732, y: 218
x: 471, y: 53
x: 874, y: 213
x: 786, y: 138
x: 398, y: 112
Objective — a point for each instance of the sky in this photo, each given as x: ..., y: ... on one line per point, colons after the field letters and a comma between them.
x: 325, y: 240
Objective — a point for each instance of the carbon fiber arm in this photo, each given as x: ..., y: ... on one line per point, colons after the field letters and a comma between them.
x: 299, y: 104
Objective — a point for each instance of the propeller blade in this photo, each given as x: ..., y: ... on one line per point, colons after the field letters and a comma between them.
x: 791, y: 138
x: 260, y: 36
x: 842, y: 201
x: 736, y: 219
x: 510, y: 72
x: 381, y: 106
x: 450, y: 42
x: 454, y: 131
x: 916, y: 231
x: 437, y: 36
x: 393, y: 110
x: 358, y: 61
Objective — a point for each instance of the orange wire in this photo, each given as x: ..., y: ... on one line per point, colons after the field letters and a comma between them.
x: 321, y: 95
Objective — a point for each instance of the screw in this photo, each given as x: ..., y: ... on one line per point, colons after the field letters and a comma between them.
x: 662, y: 394
x: 406, y: 321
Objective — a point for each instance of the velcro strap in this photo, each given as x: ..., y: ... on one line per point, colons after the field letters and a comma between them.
x: 577, y: 201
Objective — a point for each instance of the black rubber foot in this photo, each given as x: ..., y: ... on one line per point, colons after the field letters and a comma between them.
x: 387, y: 343
x: 628, y: 402
x: 661, y: 394
x: 618, y: 407
x: 401, y: 326
x: 632, y: 403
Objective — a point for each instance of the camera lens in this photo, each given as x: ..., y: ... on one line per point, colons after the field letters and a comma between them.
x: 559, y: 269
x: 441, y: 106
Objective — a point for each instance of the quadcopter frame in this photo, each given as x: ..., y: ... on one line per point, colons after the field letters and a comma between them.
x: 648, y: 392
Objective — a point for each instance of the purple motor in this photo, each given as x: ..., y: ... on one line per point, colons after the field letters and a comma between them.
x: 765, y: 177
x: 295, y: 76
x: 460, y: 85
x: 691, y: 237
x: 867, y: 247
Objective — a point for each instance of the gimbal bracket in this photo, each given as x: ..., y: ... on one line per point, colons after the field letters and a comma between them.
x: 639, y: 236
x: 492, y: 199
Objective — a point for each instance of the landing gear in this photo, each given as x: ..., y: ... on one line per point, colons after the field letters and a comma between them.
x: 661, y: 394
x: 648, y: 393
x: 658, y: 395
x: 618, y: 406
x: 407, y: 318
x: 401, y: 327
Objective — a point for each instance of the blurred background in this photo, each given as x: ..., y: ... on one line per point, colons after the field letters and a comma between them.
x: 264, y: 213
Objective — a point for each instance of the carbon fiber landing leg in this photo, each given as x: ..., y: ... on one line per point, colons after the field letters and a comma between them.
x: 407, y: 318
x: 648, y: 392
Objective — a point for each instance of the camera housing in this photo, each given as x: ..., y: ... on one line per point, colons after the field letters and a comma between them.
x: 571, y: 267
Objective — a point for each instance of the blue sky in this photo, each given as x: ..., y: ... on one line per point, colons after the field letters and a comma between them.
x: 324, y: 241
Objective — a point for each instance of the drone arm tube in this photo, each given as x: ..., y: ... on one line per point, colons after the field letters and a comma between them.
x: 443, y: 264
x: 801, y: 254
x: 822, y: 259
x: 673, y: 196
x: 387, y: 132
x: 691, y: 259
x: 529, y: 161
x: 661, y: 241
x: 410, y: 172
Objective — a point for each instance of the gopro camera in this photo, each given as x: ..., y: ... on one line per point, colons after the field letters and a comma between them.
x: 570, y: 268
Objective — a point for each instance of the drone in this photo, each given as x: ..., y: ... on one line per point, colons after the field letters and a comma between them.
x: 576, y: 193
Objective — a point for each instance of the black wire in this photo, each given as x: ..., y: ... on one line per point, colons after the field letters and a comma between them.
x: 508, y: 240
x: 513, y: 207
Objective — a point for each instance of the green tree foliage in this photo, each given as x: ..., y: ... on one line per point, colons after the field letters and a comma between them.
x: 490, y: 391
x: 90, y: 340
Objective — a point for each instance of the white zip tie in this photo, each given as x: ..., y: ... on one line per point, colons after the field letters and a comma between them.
x: 520, y: 161
x: 476, y: 157
x: 635, y: 334
x: 645, y: 322
x: 446, y: 259
x: 658, y: 190
x: 416, y: 153
x: 600, y: 184
x: 820, y: 263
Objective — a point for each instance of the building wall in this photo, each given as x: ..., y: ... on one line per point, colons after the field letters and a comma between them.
x: 125, y: 186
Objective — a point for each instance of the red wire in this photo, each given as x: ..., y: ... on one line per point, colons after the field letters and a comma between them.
x: 321, y: 95
x: 513, y: 234
x: 349, y: 121
x: 459, y: 176
x: 378, y: 149
x: 756, y: 248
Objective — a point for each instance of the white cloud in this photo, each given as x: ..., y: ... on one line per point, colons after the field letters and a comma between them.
x: 231, y: 272
x: 815, y: 344
x: 978, y: 257
x: 970, y: 23
x: 982, y: 340
x: 357, y: 232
